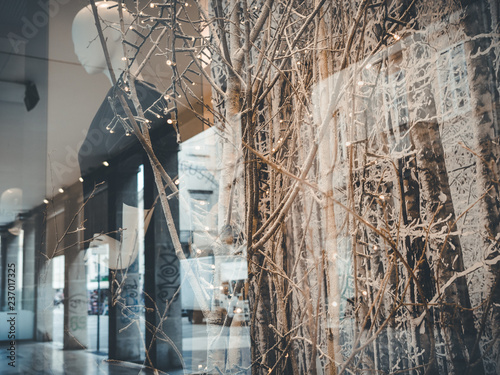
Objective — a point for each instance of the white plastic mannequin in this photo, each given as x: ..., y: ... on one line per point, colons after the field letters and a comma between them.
x: 88, y: 47
x: 90, y: 54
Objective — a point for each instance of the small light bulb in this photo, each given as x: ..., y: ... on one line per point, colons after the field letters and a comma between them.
x: 186, y: 4
x: 396, y: 36
x: 347, y: 144
x: 169, y: 62
x: 124, y: 58
x: 334, y: 304
x: 194, y: 83
x: 368, y: 66
x: 105, y: 163
x: 364, y: 292
x: 80, y: 179
x: 169, y: 121
x: 177, y: 182
x: 152, y: 5
x: 158, y: 116
x: 360, y: 83
x: 46, y: 201
x: 61, y: 190
x: 381, y: 197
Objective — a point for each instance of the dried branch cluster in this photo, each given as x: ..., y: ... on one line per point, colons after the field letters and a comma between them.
x: 363, y: 138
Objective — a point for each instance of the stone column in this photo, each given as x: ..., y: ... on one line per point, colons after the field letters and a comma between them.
x: 126, y: 307
x: 43, y: 279
x: 75, y: 279
x: 168, y: 297
x: 162, y: 278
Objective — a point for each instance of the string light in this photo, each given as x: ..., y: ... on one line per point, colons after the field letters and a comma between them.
x: 105, y: 163
x: 46, y: 201
x: 368, y: 66
x: 169, y: 121
x: 80, y: 179
x: 61, y: 190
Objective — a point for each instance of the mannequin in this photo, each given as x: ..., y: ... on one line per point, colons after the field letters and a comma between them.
x: 107, y: 137
x: 88, y: 47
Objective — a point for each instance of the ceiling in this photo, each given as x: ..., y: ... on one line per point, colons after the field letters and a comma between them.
x: 22, y: 133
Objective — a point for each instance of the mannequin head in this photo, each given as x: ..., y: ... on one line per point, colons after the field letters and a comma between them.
x: 88, y: 47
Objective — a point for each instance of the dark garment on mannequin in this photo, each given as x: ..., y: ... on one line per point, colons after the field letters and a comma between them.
x: 107, y: 140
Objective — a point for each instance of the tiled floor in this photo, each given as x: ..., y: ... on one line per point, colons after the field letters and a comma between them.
x: 45, y: 358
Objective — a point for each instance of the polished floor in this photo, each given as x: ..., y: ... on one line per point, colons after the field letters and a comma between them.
x: 34, y: 358
x: 49, y: 358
